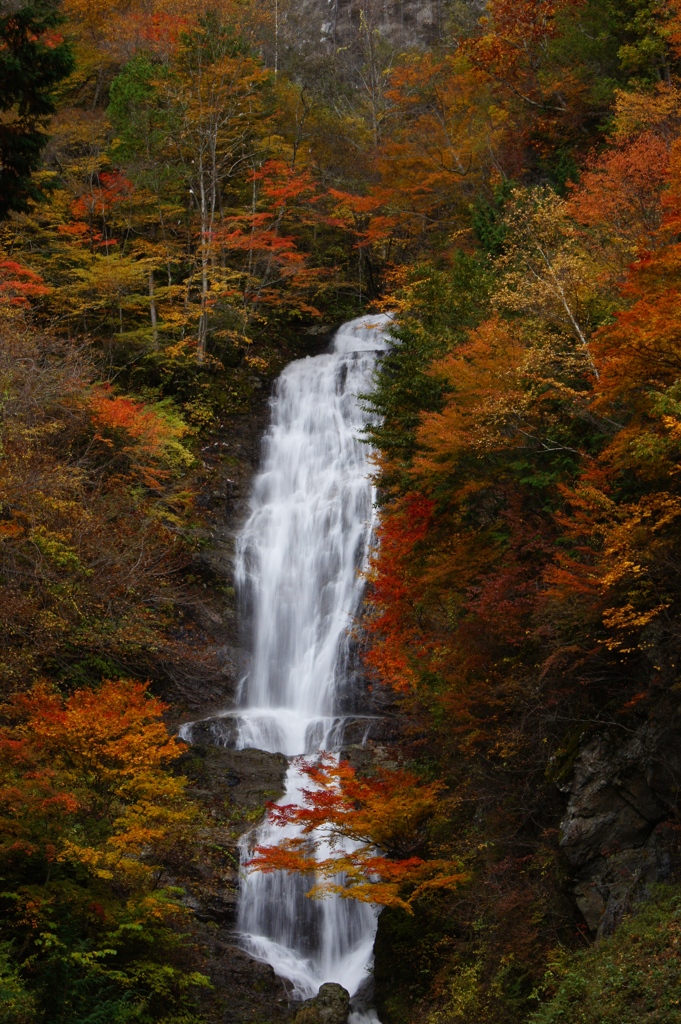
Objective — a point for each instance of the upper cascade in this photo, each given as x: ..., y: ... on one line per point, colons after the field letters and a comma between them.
x: 306, y: 541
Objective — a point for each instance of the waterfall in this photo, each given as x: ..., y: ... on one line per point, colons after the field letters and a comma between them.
x: 299, y: 559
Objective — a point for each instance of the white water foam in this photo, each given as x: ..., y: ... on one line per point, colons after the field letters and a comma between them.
x: 299, y: 559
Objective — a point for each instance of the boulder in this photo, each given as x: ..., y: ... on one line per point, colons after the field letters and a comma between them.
x: 219, y: 731
x: 331, y: 1005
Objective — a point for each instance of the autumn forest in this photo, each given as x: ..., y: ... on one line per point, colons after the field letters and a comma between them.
x: 193, y: 195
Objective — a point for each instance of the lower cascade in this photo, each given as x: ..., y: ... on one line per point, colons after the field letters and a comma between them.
x: 299, y: 560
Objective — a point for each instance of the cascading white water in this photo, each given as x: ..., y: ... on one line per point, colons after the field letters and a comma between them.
x: 299, y: 557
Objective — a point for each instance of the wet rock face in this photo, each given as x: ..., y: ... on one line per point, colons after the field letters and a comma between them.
x: 248, y: 992
x: 330, y: 1006
x: 615, y: 833
x: 217, y: 731
x: 233, y: 786
x: 359, y: 738
x: 234, y: 780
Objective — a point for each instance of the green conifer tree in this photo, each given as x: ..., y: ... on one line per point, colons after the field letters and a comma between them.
x: 33, y: 60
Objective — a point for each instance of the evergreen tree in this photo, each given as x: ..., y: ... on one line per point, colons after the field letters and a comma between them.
x: 33, y: 60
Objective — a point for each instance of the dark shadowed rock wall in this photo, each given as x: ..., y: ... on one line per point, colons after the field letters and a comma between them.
x: 619, y: 833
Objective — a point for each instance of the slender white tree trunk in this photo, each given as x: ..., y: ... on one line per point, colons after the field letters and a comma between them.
x: 152, y: 311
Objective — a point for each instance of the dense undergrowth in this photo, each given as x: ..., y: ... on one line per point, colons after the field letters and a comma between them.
x: 91, y: 816
x: 626, y: 978
x: 513, y: 195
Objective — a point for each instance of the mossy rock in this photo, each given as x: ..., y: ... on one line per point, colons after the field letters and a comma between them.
x: 330, y: 1006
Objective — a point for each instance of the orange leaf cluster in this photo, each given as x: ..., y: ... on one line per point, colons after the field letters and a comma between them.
x: 83, y: 779
x: 18, y: 284
x: 359, y: 836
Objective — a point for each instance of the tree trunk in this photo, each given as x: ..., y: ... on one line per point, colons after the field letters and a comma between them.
x: 203, y: 318
x: 152, y: 311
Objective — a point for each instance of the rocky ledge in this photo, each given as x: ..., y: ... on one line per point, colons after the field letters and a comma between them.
x: 233, y: 786
x: 619, y: 833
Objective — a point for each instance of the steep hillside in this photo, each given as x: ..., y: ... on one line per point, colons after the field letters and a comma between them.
x: 193, y: 196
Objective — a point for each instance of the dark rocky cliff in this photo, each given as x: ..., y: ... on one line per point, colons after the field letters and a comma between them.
x: 233, y: 786
x: 406, y: 23
x: 618, y: 834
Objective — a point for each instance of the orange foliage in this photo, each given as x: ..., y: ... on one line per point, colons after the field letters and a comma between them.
x: 92, y: 209
x: 140, y: 433
x: 396, y: 642
x: 280, y: 274
x: 622, y: 190
x: 18, y: 284
x: 444, y: 131
x: 619, y: 561
x: 460, y: 121
x: 367, y: 829
x: 83, y: 779
x: 485, y: 373
x: 642, y: 347
x: 512, y: 47
x: 118, y: 28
